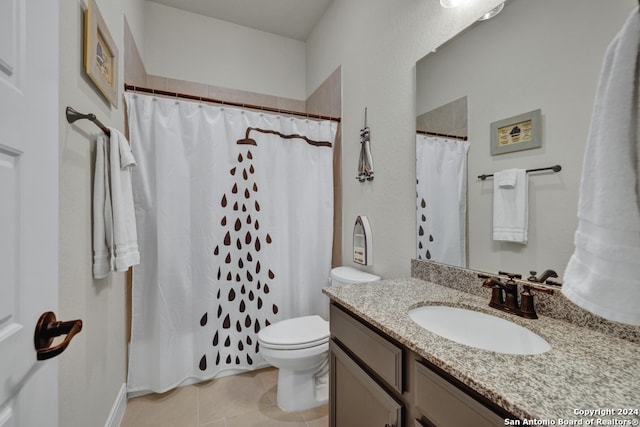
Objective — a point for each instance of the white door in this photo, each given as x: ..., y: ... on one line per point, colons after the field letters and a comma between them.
x: 28, y: 207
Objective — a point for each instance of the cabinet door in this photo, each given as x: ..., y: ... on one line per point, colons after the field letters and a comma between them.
x: 447, y: 406
x: 355, y: 398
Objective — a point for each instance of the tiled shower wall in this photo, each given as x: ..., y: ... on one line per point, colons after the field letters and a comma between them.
x: 449, y: 119
x: 326, y: 101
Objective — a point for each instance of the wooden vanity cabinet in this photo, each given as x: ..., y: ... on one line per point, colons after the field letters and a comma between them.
x: 356, y: 399
x: 365, y: 375
x: 375, y: 381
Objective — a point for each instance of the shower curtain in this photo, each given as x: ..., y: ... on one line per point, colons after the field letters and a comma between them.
x: 441, y: 190
x: 235, y: 225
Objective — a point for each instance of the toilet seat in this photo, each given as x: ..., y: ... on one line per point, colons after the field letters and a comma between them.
x: 296, y: 333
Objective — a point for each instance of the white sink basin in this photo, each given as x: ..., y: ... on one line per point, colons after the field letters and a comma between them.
x: 479, y: 330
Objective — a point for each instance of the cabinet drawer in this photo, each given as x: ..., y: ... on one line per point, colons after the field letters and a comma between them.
x: 356, y: 399
x: 383, y: 357
x: 447, y: 406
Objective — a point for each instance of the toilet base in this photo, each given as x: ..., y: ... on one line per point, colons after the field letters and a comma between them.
x: 302, y: 390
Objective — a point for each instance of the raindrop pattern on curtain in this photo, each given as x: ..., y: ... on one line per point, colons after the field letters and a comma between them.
x: 441, y: 174
x: 243, y: 281
x: 424, y: 242
x: 223, y: 228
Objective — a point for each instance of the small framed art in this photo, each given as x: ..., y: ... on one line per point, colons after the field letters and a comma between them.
x: 516, y: 133
x: 100, y: 53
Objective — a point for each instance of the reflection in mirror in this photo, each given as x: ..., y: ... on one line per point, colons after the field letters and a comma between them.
x: 542, y: 55
x: 441, y: 171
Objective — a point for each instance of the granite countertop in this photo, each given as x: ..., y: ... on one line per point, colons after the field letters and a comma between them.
x: 584, y: 370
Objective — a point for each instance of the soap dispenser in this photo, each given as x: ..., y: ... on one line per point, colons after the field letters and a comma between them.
x: 362, y: 241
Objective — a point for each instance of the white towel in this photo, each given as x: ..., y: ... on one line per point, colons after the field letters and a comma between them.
x: 115, y: 244
x: 507, y: 178
x: 603, y: 275
x: 102, y: 237
x: 125, y: 239
x: 511, y: 206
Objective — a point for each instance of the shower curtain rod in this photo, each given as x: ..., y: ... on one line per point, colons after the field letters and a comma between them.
x: 444, y: 135
x: 132, y: 88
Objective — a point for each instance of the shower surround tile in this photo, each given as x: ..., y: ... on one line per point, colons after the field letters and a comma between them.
x: 135, y: 72
x: 187, y: 87
x: 157, y: 82
x: 449, y: 119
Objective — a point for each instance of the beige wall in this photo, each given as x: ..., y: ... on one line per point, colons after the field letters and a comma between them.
x: 557, y: 72
x: 377, y: 44
x: 186, y: 46
x: 93, y: 369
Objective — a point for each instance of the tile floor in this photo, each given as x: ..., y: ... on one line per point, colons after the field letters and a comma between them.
x: 243, y: 400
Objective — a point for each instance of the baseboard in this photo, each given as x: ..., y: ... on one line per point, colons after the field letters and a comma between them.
x: 117, y: 410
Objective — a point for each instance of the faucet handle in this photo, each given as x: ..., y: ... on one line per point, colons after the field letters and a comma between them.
x: 487, y: 276
x: 511, y: 276
x: 496, y: 286
x: 526, y: 289
x: 527, y: 307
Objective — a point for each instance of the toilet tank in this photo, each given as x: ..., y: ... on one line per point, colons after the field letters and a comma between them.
x: 347, y: 275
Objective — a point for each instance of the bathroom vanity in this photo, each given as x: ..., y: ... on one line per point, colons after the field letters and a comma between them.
x: 376, y: 381
x: 388, y: 371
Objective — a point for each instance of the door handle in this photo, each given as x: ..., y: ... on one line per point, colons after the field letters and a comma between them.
x: 47, y: 329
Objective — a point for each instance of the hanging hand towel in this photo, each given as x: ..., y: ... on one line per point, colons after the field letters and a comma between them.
x: 603, y: 275
x: 115, y: 246
x: 125, y: 240
x: 507, y: 178
x: 511, y: 206
x: 102, y: 220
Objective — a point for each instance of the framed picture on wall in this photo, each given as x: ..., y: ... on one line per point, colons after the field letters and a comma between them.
x: 100, y: 53
x: 516, y: 133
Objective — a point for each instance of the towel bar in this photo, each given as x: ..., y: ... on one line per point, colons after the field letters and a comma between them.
x: 73, y: 115
x: 555, y: 168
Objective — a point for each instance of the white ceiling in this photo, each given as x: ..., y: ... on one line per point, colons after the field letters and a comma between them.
x: 288, y: 18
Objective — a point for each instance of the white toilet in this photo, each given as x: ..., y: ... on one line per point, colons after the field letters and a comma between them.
x: 299, y: 348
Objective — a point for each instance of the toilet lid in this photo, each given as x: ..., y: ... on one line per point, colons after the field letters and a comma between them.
x: 349, y: 275
x: 305, y: 331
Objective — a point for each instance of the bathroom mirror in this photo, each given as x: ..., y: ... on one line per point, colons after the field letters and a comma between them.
x: 534, y: 55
